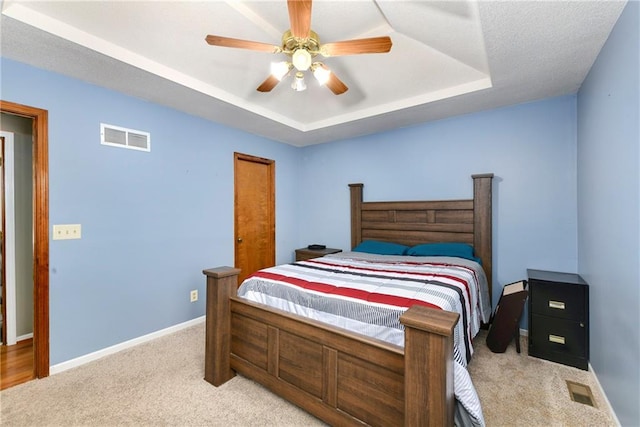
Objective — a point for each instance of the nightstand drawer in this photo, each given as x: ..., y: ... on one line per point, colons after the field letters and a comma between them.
x: 558, y: 340
x: 558, y: 300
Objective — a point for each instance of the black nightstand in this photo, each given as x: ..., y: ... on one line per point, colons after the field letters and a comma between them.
x: 559, y: 317
x: 306, y: 253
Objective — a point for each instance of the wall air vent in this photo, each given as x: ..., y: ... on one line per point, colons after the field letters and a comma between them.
x: 117, y: 136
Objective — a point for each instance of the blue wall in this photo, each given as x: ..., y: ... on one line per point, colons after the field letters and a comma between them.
x: 531, y: 149
x: 151, y: 222
x: 609, y: 212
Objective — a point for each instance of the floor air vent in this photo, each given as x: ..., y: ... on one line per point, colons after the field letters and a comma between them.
x: 117, y: 136
x: 580, y: 393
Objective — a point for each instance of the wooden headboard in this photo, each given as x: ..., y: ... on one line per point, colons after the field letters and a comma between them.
x: 428, y: 221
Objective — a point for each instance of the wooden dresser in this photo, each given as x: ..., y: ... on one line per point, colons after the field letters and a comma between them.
x: 306, y: 253
x: 559, y: 317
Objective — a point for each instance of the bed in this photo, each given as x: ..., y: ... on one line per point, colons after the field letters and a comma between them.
x: 344, y: 377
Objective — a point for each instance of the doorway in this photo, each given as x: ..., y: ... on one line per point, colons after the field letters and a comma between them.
x: 16, y: 278
x: 254, y: 216
x: 39, y: 350
x: 16, y: 189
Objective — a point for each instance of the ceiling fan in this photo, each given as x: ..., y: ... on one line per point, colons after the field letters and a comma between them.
x: 302, y: 45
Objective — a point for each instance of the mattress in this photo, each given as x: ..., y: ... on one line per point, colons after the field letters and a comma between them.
x: 367, y: 294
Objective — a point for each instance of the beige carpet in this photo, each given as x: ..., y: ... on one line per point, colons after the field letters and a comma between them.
x: 160, y: 384
x: 518, y: 390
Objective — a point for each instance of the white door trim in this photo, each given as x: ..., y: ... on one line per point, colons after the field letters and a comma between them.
x: 9, y: 237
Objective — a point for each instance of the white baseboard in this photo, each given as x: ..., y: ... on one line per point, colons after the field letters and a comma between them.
x: 24, y: 337
x: 21, y: 337
x: 79, y: 361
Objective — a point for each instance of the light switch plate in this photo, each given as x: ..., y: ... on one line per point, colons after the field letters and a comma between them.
x: 67, y: 231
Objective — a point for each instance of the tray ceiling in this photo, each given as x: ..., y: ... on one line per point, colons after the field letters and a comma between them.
x: 448, y: 57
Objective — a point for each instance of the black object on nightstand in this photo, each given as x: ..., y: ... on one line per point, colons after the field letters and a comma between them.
x: 559, y: 317
x: 307, y: 253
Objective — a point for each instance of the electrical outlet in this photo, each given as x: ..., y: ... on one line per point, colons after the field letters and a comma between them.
x: 67, y: 231
x: 194, y: 295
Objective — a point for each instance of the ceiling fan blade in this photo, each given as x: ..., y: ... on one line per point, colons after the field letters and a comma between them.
x: 300, y: 17
x: 242, y: 44
x: 268, y: 84
x: 334, y: 83
x: 353, y: 47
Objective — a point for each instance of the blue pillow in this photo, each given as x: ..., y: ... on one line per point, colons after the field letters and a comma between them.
x: 460, y: 250
x: 381, y: 248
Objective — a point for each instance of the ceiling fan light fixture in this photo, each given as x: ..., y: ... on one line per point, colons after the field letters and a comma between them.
x: 301, y: 59
x: 298, y: 82
x: 280, y: 69
x: 321, y: 73
x: 302, y: 44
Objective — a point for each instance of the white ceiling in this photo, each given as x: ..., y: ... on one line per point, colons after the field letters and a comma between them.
x: 448, y: 57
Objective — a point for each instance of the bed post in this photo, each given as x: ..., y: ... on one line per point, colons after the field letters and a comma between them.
x: 222, y: 284
x: 356, y: 214
x: 482, y: 223
x: 428, y: 366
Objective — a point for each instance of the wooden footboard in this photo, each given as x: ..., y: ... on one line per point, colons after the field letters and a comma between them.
x: 340, y: 377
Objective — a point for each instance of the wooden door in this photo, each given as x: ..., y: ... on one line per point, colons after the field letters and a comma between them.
x: 255, y: 225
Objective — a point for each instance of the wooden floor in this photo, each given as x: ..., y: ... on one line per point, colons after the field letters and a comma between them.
x: 16, y: 363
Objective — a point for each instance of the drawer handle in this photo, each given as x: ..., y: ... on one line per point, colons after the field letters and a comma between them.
x: 556, y: 304
x: 556, y: 339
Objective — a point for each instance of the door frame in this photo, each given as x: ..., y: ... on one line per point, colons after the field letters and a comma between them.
x: 40, y: 232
